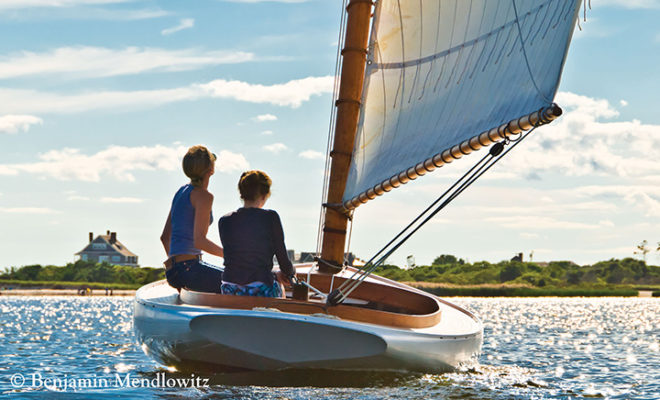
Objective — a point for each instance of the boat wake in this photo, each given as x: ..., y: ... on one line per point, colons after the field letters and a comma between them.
x: 319, y: 378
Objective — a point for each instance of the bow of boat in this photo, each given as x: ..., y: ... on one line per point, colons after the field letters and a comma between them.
x: 383, y: 326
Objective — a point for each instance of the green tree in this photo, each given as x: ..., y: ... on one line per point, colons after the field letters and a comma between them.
x: 510, y: 272
x: 573, y: 277
x: 448, y: 259
x: 643, y: 249
x: 27, y: 273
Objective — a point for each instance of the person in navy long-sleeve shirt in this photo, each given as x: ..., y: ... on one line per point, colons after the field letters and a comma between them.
x: 250, y: 237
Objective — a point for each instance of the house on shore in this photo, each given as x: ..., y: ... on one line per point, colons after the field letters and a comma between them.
x: 106, y: 248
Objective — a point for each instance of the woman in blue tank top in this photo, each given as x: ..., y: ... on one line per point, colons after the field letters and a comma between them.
x: 184, y: 234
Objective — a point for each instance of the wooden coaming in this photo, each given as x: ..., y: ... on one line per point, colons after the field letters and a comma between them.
x: 416, y: 310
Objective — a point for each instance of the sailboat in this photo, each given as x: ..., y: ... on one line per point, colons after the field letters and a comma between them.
x: 421, y: 83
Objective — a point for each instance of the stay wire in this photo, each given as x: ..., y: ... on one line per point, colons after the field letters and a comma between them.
x: 398, y: 235
x: 368, y: 269
x: 331, y: 127
x: 371, y: 266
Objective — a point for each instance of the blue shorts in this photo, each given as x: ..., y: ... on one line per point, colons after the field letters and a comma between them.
x: 195, y: 275
x: 254, y: 289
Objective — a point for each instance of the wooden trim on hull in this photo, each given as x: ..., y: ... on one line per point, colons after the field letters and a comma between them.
x: 385, y: 305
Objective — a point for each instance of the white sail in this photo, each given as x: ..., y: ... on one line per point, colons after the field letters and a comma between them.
x: 442, y: 72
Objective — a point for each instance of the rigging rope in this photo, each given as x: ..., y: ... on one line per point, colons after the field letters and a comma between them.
x: 495, y: 154
x: 584, y: 3
x: 522, y: 44
x: 331, y: 128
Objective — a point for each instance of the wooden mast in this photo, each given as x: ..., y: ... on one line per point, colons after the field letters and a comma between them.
x: 354, y: 58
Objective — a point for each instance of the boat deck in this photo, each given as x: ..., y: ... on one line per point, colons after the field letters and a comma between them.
x: 448, y: 319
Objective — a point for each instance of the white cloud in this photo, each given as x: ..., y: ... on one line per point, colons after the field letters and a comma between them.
x: 116, y: 14
x: 27, y: 210
x: 121, y: 200
x: 312, y: 155
x: 275, y: 148
x: 74, y: 197
x: 93, y: 13
x: 645, y: 197
x: 17, y: 4
x: 292, y: 94
x: 623, y: 103
x: 266, y: 1
x: 16, y: 123
x: 185, y: 23
x: 627, y: 250
x: 231, y: 162
x: 538, y: 222
x: 267, y: 132
x: 582, y: 142
x: 265, y: 117
x: 7, y: 171
x: 645, y: 4
x: 118, y: 162
x: 554, y: 208
x: 87, y: 62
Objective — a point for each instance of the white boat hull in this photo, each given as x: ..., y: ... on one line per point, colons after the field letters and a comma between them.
x: 191, y: 337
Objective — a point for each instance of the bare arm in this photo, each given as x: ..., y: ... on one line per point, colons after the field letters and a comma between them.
x: 167, y: 233
x: 202, y: 201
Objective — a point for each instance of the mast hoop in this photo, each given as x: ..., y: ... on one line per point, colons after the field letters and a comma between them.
x: 339, y: 208
x: 354, y: 49
x: 350, y: 101
x: 340, y: 153
x: 333, y: 230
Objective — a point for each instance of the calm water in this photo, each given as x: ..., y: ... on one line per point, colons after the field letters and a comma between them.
x: 533, y: 348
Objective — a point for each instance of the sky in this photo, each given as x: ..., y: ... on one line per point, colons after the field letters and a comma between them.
x: 99, y: 100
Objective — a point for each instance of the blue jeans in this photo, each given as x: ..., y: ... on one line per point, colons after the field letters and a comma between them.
x: 196, y: 275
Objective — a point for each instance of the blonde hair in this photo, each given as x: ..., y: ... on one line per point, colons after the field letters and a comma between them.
x: 253, y: 185
x: 197, y: 162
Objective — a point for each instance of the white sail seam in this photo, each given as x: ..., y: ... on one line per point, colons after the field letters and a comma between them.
x: 411, y: 63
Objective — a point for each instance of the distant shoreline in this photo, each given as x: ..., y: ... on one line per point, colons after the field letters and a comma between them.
x: 66, y: 292
x: 438, y: 290
x: 517, y: 290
